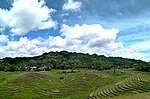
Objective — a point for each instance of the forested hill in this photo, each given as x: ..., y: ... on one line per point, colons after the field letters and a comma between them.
x: 70, y: 60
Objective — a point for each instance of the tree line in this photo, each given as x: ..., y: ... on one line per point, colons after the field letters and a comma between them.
x: 70, y: 60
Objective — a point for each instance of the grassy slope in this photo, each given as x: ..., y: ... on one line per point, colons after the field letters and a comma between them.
x: 55, y: 84
x: 145, y: 95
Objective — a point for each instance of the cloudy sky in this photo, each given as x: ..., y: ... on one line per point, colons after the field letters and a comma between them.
x: 106, y: 27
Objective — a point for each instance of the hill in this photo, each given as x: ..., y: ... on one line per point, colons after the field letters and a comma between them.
x: 70, y: 60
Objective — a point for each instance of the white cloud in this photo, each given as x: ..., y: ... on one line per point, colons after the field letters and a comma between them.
x: 132, y: 53
x: 1, y: 50
x: 55, y: 42
x: 4, y: 18
x: 27, y: 15
x: 79, y: 38
x: 91, y: 35
x: 140, y: 50
x: 64, y: 14
x: 71, y: 5
x: 96, y: 39
x: 3, y: 38
x: 142, y: 46
x: 25, y: 47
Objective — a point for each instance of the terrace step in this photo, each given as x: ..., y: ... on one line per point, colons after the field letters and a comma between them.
x: 133, y: 84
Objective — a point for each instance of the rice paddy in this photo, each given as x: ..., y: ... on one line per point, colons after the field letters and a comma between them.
x: 80, y: 84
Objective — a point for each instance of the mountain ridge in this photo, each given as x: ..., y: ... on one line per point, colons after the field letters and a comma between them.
x: 72, y: 60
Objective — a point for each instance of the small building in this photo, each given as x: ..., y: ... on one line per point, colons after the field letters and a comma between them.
x: 44, y: 68
x: 33, y: 68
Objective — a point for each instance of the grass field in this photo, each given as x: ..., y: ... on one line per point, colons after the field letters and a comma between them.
x: 81, y: 84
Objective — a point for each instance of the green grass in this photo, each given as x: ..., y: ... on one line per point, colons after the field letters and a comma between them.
x: 57, y: 84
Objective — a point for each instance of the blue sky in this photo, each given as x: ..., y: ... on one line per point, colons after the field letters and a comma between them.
x: 106, y: 27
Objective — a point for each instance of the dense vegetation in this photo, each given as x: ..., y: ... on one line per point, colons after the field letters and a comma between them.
x: 69, y: 60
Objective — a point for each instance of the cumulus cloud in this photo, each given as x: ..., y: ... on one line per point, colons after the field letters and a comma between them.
x: 79, y: 38
x: 3, y: 38
x: 56, y: 41
x: 25, y: 47
x: 1, y: 50
x: 96, y: 39
x: 4, y: 18
x: 91, y: 35
x: 131, y: 52
x: 142, y: 46
x: 71, y: 5
x: 86, y: 39
x: 27, y: 15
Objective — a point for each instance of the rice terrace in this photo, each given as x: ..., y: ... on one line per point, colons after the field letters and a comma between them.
x: 81, y: 84
x: 66, y: 75
x: 74, y: 49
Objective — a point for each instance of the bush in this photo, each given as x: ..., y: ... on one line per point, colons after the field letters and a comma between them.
x: 9, y: 69
x: 61, y: 77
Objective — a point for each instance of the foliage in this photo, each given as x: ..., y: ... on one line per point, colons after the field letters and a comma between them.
x: 70, y: 60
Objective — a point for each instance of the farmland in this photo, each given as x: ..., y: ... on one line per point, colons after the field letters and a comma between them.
x: 76, y: 84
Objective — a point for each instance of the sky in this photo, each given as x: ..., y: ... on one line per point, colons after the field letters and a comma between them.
x: 118, y: 28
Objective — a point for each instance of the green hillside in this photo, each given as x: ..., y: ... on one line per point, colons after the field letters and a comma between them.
x: 68, y: 75
x: 70, y: 60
